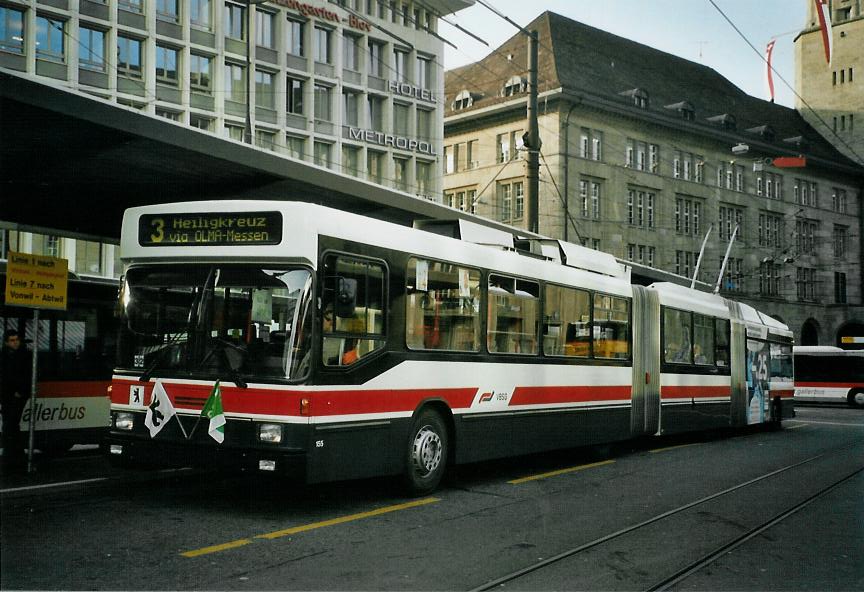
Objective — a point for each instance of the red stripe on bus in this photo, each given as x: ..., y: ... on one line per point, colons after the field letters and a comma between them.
x: 548, y: 395
x: 73, y: 388
x: 784, y: 393
x: 846, y: 385
x: 287, y: 402
x: 694, y: 392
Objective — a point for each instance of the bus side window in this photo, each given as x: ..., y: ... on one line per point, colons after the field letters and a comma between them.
x: 512, y: 315
x: 677, y: 345
x: 611, y: 327
x: 567, y: 322
x: 703, y: 340
x: 721, y: 343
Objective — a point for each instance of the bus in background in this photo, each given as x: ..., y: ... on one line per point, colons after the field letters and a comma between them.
x: 346, y: 347
x: 76, y: 352
x: 828, y: 374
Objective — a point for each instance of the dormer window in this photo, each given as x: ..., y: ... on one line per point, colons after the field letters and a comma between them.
x: 685, y: 110
x: 724, y: 121
x: 462, y: 101
x: 764, y: 131
x: 514, y: 86
x: 799, y: 142
x: 639, y: 97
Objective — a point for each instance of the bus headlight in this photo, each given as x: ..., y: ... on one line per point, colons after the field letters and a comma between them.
x: 270, y: 432
x: 124, y: 421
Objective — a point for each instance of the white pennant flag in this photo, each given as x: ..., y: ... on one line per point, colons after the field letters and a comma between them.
x: 160, y: 410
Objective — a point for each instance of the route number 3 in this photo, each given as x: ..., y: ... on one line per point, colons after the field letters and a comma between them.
x: 158, y: 225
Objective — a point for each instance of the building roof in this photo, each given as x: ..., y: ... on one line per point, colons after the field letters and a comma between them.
x: 606, y: 68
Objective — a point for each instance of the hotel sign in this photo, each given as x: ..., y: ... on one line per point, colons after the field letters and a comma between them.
x: 407, y: 90
x: 391, y: 140
x: 308, y: 10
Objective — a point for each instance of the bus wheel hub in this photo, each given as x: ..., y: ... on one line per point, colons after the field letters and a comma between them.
x: 427, y: 450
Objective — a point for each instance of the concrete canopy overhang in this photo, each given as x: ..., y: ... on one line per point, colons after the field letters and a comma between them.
x: 74, y: 163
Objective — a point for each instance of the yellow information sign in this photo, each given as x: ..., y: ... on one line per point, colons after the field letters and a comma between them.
x: 36, y: 281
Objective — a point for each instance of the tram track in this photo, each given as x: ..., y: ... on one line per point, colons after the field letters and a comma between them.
x: 707, y: 558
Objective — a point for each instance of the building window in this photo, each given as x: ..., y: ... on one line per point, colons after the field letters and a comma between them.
x: 375, y: 166
x: 376, y: 112
x: 400, y: 173
x: 637, y: 155
x: 322, y: 45
x: 462, y: 101
x: 199, y: 73
x: 264, y: 24
x: 589, y: 198
x: 423, y: 73
x: 200, y: 13
x: 401, y: 117
x: 424, y: 128
x: 11, y: 30
x: 265, y: 94
x: 166, y: 65
x: 351, y: 160
x: 505, y: 201
x: 839, y: 287
x: 770, y: 230
x: 769, y: 185
x: 235, y: 83
x: 733, y: 277
x: 840, y: 241
x: 507, y: 146
x: 294, y: 96
x: 294, y: 37
x: 50, y: 39
x: 350, y: 108
x: 687, y: 214
x: 234, y: 132
x: 838, y: 200
x: 88, y: 257
x: 265, y: 139
x: 129, y: 57
x: 235, y: 21
x: 730, y: 218
x: 351, y: 52
x: 806, y: 193
x: 805, y: 282
x: 131, y: 5
x: 376, y: 54
x: 769, y: 278
x: 295, y: 146
x: 685, y: 263
x: 167, y: 10
x: 91, y: 54
x: 400, y: 63
x: 590, y: 144
x: 322, y: 103
x: 423, y: 177
x: 642, y: 254
x: 201, y: 122
x: 640, y: 208
x: 805, y: 236
x: 322, y: 154
x: 514, y: 86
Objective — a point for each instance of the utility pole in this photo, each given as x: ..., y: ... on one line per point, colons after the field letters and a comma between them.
x: 531, y: 139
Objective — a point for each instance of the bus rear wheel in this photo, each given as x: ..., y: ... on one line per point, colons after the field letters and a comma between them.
x: 856, y: 399
x: 426, y: 458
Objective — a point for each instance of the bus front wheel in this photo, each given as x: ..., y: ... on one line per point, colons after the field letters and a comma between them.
x: 427, y: 453
x: 856, y: 399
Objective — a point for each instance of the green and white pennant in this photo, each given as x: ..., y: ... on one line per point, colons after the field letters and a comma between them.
x: 213, y: 411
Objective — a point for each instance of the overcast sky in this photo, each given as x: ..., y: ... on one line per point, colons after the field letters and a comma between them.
x: 692, y: 29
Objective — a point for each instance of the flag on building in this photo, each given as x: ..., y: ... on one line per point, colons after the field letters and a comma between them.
x: 823, y: 11
x: 213, y: 411
x: 160, y: 410
x: 769, y: 73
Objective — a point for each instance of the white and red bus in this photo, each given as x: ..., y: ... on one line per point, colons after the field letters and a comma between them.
x: 76, y: 352
x: 827, y: 374
x: 349, y: 347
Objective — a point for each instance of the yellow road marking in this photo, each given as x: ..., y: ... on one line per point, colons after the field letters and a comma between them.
x: 307, y: 527
x: 559, y: 472
x: 217, y: 548
x: 351, y: 518
x: 670, y: 448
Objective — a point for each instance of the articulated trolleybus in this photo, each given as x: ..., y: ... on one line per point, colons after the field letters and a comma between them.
x: 347, y: 347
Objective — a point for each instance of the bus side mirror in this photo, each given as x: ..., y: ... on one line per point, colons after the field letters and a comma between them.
x: 346, y: 297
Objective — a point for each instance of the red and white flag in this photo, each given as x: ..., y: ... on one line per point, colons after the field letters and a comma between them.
x: 769, y: 74
x: 824, y: 13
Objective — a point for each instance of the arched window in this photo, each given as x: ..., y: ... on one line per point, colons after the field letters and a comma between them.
x: 514, y: 86
x: 463, y: 100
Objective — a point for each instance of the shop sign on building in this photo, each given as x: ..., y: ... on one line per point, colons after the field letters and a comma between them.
x: 392, y: 141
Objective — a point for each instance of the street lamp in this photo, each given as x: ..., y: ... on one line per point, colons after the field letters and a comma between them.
x: 247, y: 131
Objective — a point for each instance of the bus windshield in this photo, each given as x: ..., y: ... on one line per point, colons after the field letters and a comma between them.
x: 216, y: 321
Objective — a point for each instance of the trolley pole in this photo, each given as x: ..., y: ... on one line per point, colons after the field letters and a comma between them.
x: 532, y: 139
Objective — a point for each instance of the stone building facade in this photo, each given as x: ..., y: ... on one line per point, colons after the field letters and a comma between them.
x: 644, y: 152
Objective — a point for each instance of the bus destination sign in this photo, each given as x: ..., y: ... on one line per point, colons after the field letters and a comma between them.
x: 197, y: 229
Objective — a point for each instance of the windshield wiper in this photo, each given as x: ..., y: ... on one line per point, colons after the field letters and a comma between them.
x: 145, y: 376
x: 219, y: 344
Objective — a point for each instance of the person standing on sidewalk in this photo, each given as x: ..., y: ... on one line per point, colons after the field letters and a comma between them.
x: 15, y: 390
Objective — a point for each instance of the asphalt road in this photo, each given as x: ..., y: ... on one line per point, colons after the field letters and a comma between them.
x: 738, y: 511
